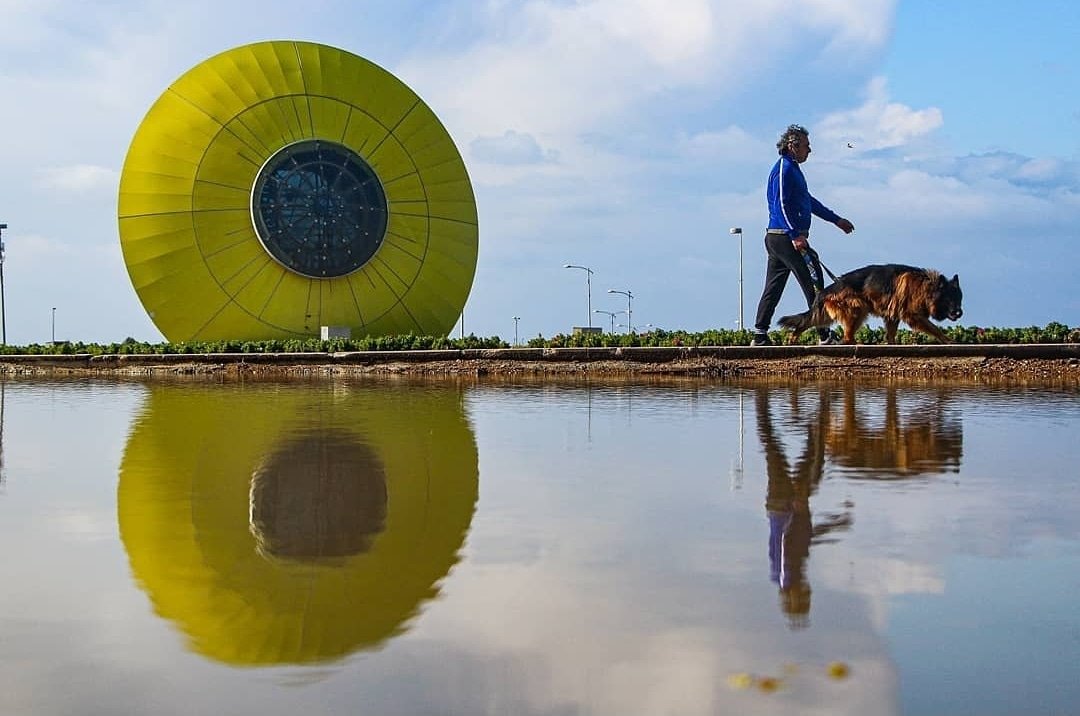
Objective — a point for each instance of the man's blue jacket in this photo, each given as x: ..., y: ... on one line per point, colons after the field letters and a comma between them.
x: 790, y: 203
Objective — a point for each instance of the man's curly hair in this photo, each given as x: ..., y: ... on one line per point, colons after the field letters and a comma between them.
x: 793, y: 132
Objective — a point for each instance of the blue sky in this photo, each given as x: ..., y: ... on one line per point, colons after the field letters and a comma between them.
x: 623, y: 135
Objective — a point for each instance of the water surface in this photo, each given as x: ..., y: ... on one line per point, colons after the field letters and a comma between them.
x: 548, y: 548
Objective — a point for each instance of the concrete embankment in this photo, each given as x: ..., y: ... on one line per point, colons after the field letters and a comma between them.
x: 1056, y: 361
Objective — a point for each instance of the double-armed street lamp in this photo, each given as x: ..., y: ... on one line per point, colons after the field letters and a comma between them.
x: 629, y: 310
x: 516, y: 319
x: 738, y: 230
x: 588, y: 285
x: 610, y: 314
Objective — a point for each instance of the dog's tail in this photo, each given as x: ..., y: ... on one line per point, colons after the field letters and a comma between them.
x: 814, y: 317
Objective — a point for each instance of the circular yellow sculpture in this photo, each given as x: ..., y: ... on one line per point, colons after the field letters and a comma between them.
x: 293, y: 526
x: 283, y: 186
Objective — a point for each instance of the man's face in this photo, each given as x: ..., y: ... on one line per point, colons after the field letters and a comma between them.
x: 799, y: 148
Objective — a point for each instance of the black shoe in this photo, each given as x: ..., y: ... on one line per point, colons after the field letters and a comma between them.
x: 761, y: 339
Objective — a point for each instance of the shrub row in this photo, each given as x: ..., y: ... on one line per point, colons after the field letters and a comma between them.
x: 1051, y: 333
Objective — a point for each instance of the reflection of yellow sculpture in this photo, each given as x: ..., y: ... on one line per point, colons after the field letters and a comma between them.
x: 295, y: 526
x: 282, y: 186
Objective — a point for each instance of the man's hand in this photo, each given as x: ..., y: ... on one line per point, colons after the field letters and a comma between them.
x: 846, y: 226
x: 800, y: 243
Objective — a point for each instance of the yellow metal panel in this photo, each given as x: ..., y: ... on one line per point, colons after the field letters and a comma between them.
x: 273, y: 122
x: 226, y: 264
x: 451, y: 191
x: 183, y: 315
x: 211, y: 196
x: 232, y: 322
x: 402, y: 264
x: 361, y: 83
x: 373, y: 295
x: 413, y: 229
x: 329, y: 117
x: 293, y: 305
x: 339, y: 307
x: 148, y: 201
x: 229, y: 162
x: 463, y: 210
x: 390, y: 160
x: 245, y: 275
x: 219, y: 230
x: 396, y: 321
x: 363, y: 134
x: 405, y: 188
x: 254, y: 295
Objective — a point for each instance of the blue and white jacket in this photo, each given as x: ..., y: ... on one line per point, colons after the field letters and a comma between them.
x: 790, y: 203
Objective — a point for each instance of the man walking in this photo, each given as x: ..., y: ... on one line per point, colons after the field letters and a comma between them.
x: 787, y: 240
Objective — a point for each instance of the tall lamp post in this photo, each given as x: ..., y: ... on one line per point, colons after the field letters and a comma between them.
x: 54, y: 325
x: 3, y: 303
x: 610, y: 314
x: 629, y: 311
x: 738, y: 230
x: 588, y: 285
x: 516, y: 319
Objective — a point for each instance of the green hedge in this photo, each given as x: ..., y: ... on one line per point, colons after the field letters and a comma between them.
x: 1051, y: 333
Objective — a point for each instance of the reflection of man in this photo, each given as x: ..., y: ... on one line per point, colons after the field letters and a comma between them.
x: 787, y: 504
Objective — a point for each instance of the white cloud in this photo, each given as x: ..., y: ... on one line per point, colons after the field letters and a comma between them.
x: 556, y: 69
x: 879, y: 123
x: 729, y: 143
x: 78, y: 178
x: 510, y: 148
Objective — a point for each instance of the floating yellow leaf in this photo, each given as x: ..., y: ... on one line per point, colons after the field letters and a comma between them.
x: 838, y: 670
x: 740, y: 681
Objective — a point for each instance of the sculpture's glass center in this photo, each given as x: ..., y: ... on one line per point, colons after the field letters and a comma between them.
x: 319, y: 209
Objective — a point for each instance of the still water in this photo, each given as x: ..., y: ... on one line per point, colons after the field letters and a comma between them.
x: 539, y: 548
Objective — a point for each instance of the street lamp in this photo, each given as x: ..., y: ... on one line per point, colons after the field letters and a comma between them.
x: 610, y: 314
x: 3, y: 303
x: 738, y: 230
x: 588, y: 285
x: 629, y: 296
x: 54, y: 325
x: 516, y: 319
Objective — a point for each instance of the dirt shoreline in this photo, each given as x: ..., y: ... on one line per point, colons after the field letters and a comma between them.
x: 1055, y: 363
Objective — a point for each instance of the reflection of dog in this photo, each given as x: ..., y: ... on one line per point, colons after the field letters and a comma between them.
x: 892, y: 291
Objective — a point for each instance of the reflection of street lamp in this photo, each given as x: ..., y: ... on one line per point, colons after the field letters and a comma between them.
x: 737, y: 465
x: 629, y: 296
x: 588, y: 285
x: 611, y: 314
x: 516, y: 319
x: 54, y: 325
x: 738, y: 230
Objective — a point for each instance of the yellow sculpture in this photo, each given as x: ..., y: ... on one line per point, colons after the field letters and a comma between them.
x: 283, y: 186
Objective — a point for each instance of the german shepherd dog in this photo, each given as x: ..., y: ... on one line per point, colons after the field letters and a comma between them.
x: 892, y: 291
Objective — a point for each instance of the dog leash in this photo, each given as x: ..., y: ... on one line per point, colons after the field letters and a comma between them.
x: 817, y: 258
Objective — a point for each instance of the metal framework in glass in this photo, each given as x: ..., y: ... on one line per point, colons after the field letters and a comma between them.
x: 319, y: 209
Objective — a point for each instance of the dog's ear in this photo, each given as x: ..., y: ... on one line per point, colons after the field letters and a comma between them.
x: 955, y: 280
